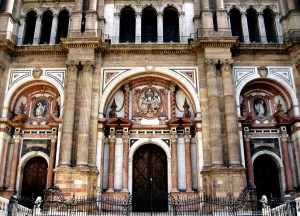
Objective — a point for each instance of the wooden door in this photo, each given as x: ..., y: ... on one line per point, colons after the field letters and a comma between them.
x: 150, y: 179
x: 34, y: 177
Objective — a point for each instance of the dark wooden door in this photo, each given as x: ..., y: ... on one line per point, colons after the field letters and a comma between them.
x: 150, y: 179
x: 266, y: 177
x: 34, y: 177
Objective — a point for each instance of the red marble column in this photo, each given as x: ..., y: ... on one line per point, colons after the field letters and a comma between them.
x: 188, y: 162
x: 126, y: 101
x: 174, y: 162
x: 111, y: 162
x: 125, y: 162
x: 15, y: 160
x: 172, y: 99
x: 248, y: 160
x: 286, y: 162
x: 51, y: 161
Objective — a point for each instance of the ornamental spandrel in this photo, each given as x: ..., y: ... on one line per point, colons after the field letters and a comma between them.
x: 149, y: 103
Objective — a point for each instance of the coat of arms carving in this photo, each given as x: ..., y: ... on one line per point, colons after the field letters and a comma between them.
x: 149, y: 103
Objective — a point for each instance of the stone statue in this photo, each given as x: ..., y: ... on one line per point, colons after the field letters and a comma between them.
x: 112, y: 112
x: 40, y: 110
x: 259, y: 108
x: 186, y: 111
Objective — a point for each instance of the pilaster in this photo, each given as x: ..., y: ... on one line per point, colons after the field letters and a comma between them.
x: 15, y: 159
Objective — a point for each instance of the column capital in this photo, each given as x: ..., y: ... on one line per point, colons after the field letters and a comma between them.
x: 117, y: 14
x: 187, y: 138
x: 125, y: 138
x: 284, y: 137
x: 112, y: 138
x: 210, y: 63
x: 226, y: 61
x: 138, y: 14
x: 174, y: 138
x: 172, y: 88
x: 247, y: 137
x: 53, y: 138
x: 127, y: 89
x: 17, y: 138
x: 88, y: 66
x: 72, y: 65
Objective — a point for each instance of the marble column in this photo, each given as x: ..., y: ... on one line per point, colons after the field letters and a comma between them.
x: 249, y: 165
x: 245, y: 27
x: 111, y: 162
x: 262, y: 28
x: 278, y: 28
x: 126, y: 101
x: 282, y: 7
x: 172, y: 100
x: 83, y: 138
x: 9, y: 6
x: 138, y: 27
x: 51, y: 161
x: 160, y: 28
x: 182, y: 28
x: 214, y: 114
x: 65, y: 151
x: 174, y: 162
x: 21, y: 31
x: 286, y: 162
x: 230, y: 111
x: 125, y: 139
x: 116, y: 29
x: 188, y: 162
x: 291, y: 4
x: 15, y: 159
x: 53, y: 29
x: 37, y: 30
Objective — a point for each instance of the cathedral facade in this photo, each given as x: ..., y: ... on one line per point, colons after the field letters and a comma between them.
x: 113, y: 96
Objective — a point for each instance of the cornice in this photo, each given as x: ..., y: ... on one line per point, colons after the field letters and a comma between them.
x: 218, y: 42
x: 83, y: 42
x: 260, y: 48
x: 145, y: 48
x: 52, y: 50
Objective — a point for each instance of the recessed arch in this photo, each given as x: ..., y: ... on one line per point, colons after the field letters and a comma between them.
x: 46, y: 27
x: 140, y: 73
x: 63, y: 25
x: 270, y: 25
x: 236, y: 23
x: 30, y: 27
x: 170, y: 25
x: 252, y: 19
x: 127, y: 25
x: 149, y: 25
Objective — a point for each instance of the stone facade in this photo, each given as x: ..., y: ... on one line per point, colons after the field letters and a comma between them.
x: 214, y: 84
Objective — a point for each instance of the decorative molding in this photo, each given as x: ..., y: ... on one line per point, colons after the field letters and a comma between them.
x: 17, y: 75
x: 242, y: 73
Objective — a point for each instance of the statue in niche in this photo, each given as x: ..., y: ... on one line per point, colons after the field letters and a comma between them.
x: 186, y: 111
x: 279, y: 107
x: 112, y: 112
x: 260, y: 107
x: 40, y: 109
x: 22, y: 108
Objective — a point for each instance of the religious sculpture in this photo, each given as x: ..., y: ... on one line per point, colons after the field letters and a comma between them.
x: 149, y: 103
x: 186, y: 112
x: 259, y: 107
x: 112, y: 112
x: 40, y: 109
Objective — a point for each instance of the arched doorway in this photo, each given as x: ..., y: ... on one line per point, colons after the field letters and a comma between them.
x: 266, y: 176
x: 150, y: 179
x: 34, y: 177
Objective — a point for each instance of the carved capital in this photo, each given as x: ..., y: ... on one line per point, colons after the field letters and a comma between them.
x: 127, y: 89
x: 88, y: 66
x: 226, y: 65
x: 284, y: 137
x: 247, y: 137
x: 172, y: 88
x: 187, y: 138
x: 53, y: 138
x: 125, y: 138
x: 209, y: 64
x: 72, y: 65
x: 17, y: 138
x: 112, y: 138
x: 174, y: 138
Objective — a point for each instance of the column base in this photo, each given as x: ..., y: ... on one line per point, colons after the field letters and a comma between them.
x: 223, y: 182
x: 78, y: 181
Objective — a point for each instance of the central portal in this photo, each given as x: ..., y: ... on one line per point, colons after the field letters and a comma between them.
x: 150, y: 188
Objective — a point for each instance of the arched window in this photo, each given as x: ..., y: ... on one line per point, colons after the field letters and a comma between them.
x: 46, y: 27
x: 252, y: 19
x: 171, y: 25
x: 2, y: 5
x: 270, y: 26
x: 62, y: 26
x: 236, y: 24
x: 127, y: 25
x: 30, y: 27
x: 149, y: 25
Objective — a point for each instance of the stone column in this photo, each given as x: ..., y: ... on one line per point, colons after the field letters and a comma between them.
x: 160, y: 28
x: 278, y: 28
x: 248, y: 159
x: 214, y: 114
x: 53, y: 29
x: 282, y: 7
x: 182, y: 28
x: 15, y: 159
x: 116, y: 28
x: 188, y: 162
x: 85, y: 113
x: 37, y: 30
x: 291, y: 4
x: 174, y: 161
x: 21, y: 31
x: 138, y: 27
x: 231, y: 119
x: 245, y: 27
x: 286, y: 161
x: 262, y: 28
x: 206, y: 16
x: 172, y: 100
x: 65, y: 151
x: 111, y: 162
x: 125, y: 161
x: 51, y: 161
x: 9, y: 6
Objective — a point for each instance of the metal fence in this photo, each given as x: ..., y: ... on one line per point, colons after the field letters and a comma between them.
x: 155, y: 203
